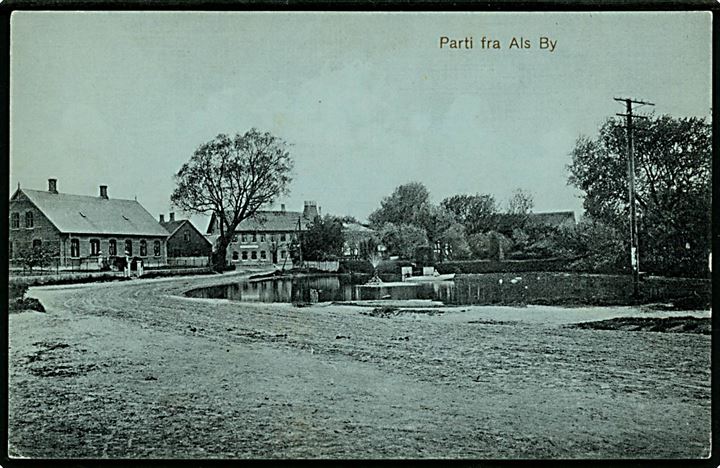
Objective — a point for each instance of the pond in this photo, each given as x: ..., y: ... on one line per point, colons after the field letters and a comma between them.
x: 329, y: 288
x: 489, y: 288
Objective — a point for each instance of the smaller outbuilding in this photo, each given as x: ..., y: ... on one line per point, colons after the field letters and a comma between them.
x: 185, y: 244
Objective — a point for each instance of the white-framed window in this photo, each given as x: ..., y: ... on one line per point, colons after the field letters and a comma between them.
x: 244, y: 255
x: 282, y: 237
x: 243, y: 237
x: 29, y: 221
x: 235, y: 255
x: 128, y: 247
x: 143, y: 248
x: 112, y: 247
x: 94, y: 246
x: 263, y: 255
x: 253, y: 254
x: 15, y: 220
x: 75, y: 248
x: 156, y: 248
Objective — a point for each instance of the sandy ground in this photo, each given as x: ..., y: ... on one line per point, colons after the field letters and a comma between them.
x: 134, y: 369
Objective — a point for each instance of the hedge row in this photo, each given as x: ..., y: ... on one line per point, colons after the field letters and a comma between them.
x: 17, y: 283
x: 551, y: 288
x: 507, y: 266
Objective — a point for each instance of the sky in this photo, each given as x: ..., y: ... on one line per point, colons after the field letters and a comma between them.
x: 368, y: 101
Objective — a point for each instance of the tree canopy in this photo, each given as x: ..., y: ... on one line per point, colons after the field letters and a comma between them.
x: 673, y: 187
x: 403, y: 239
x: 403, y: 206
x: 477, y: 213
x: 232, y: 178
x: 323, y: 239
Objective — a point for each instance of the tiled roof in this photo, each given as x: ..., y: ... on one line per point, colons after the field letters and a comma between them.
x: 81, y: 214
x: 274, y: 221
x: 171, y: 226
x: 506, y: 222
x: 357, y: 227
x: 553, y: 218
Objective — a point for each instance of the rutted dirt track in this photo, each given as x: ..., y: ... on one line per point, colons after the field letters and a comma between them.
x: 133, y: 369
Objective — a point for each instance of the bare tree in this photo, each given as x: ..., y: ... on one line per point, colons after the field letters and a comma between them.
x: 231, y: 178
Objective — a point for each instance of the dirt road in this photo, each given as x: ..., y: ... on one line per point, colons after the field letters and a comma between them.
x: 136, y: 370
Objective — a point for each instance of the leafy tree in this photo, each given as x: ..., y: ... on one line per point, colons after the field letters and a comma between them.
x: 402, y: 206
x: 368, y: 247
x: 478, y: 213
x: 673, y: 187
x: 489, y: 245
x: 455, y: 244
x: 520, y: 203
x: 402, y: 239
x: 435, y: 220
x: 35, y: 257
x: 517, y: 214
x: 349, y: 219
x: 536, y: 240
x: 231, y: 178
x: 596, y: 246
x: 323, y: 239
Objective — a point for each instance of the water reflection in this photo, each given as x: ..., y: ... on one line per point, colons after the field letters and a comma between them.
x: 328, y: 289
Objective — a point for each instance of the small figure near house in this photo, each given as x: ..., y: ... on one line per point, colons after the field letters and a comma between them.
x: 314, y: 296
x: 140, y: 267
x: 126, y: 265
x: 136, y: 266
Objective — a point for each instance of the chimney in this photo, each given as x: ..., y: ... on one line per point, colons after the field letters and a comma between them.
x: 310, y: 211
x: 162, y: 218
x: 172, y: 216
x: 52, y: 185
x: 282, y: 207
x: 103, y: 191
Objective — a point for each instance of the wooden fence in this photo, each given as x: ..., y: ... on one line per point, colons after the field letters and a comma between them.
x: 324, y: 266
x: 188, y: 261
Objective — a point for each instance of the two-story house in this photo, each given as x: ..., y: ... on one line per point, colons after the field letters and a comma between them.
x: 267, y: 236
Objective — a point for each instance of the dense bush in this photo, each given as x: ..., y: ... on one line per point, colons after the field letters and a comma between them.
x: 555, y: 288
x: 72, y: 278
x: 507, y: 266
x: 17, y: 300
x: 17, y: 290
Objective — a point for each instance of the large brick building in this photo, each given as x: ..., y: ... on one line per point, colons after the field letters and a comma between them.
x: 78, y: 229
x: 267, y: 236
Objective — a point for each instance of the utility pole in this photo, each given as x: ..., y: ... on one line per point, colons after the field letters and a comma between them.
x: 634, y: 252
x: 299, y: 241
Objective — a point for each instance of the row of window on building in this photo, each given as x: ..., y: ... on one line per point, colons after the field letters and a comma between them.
x: 15, y: 220
x: 253, y: 255
x: 253, y: 237
x: 95, y: 247
x: 112, y: 248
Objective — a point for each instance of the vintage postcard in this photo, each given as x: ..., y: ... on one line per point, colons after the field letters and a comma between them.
x: 250, y: 235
